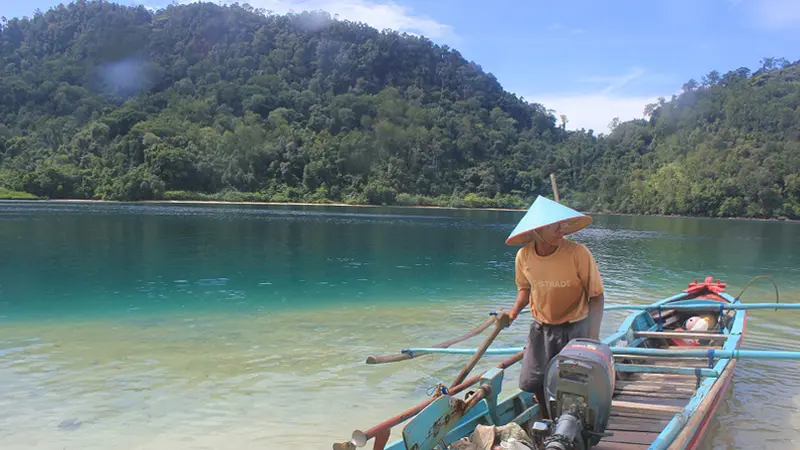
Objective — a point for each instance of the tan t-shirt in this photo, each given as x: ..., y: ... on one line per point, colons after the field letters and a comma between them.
x: 557, y: 281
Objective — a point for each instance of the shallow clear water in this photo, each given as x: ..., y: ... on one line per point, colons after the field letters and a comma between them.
x: 242, y: 327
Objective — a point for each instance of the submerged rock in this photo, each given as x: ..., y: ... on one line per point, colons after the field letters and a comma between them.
x: 70, y: 424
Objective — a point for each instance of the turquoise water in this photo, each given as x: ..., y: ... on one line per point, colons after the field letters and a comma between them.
x: 246, y: 327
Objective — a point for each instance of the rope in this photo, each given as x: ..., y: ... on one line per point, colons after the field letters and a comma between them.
x: 438, y: 389
x: 777, y: 295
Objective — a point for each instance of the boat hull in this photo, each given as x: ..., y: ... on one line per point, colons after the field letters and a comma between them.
x: 660, y: 402
x: 693, y: 434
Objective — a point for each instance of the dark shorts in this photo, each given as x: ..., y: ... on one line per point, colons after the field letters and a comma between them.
x: 544, y: 343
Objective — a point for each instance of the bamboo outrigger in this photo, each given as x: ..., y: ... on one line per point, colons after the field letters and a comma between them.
x: 657, y: 389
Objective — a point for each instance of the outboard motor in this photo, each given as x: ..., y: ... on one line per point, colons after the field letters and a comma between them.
x: 579, y: 384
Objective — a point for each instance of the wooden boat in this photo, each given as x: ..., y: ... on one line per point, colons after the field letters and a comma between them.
x: 664, y: 383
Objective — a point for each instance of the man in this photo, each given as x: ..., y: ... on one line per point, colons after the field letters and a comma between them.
x: 559, y: 280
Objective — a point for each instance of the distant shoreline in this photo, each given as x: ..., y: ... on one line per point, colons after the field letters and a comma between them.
x: 223, y: 202
x: 351, y: 205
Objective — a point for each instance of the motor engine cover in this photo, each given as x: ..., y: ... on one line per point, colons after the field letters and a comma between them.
x: 581, y: 379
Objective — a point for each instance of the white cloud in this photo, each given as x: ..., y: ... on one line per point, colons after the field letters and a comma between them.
x: 595, y: 110
x: 779, y: 13
x: 772, y: 14
x: 614, y: 83
x: 376, y: 13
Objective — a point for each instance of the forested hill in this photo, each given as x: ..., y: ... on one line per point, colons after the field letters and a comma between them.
x: 727, y: 146
x: 105, y: 101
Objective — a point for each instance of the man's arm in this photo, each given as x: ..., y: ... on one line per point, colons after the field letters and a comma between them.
x: 523, y: 286
x: 523, y: 298
x: 596, y: 315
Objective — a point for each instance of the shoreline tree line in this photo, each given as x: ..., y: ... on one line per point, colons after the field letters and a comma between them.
x: 209, y: 102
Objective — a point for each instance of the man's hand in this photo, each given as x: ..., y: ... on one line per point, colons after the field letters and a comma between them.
x: 522, y: 300
x: 512, y: 314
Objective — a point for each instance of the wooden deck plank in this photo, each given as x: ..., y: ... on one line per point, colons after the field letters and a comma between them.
x: 640, y: 419
x: 655, y: 388
x: 605, y: 445
x: 656, y: 401
x: 680, y: 384
x: 685, y: 396
x: 642, y: 415
x: 651, y: 385
x: 632, y: 437
x: 632, y: 427
x: 663, y: 378
x: 633, y: 424
x: 644, y: 407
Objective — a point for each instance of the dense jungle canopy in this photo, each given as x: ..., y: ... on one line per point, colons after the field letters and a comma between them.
x: 103, y: 101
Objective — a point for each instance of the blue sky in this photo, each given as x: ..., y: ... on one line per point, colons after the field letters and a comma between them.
x: 591, y: 60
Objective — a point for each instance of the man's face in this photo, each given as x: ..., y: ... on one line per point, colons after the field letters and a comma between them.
x: 552, y: 234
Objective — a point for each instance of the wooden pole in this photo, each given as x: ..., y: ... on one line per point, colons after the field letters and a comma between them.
x: 503, y: 321
x: 555, y: 188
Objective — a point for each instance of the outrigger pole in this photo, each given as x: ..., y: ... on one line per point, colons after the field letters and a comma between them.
x: 687, y: 305
x: 402, y: 357
x: 635, y: 351
x: 707, y: 305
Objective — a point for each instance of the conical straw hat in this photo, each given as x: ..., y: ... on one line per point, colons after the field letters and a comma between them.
x: 545, y: 212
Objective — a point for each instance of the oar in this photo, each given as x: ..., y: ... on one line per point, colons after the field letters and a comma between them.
x: 503, y: 321
x: 360, y: 438
x: 406, y: 356
x: 462, y: 351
